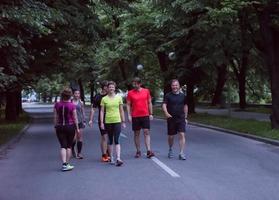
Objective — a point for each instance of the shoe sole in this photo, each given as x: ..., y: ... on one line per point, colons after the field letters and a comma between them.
x: 65, y: 170
x: 118, y: 164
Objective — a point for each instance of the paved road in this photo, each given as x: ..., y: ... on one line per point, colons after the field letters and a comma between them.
x: 219, y: 167
x: 238, y: 114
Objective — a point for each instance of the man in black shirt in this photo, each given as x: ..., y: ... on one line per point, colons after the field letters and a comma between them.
x: 176, y: 110
x: 104, y: 134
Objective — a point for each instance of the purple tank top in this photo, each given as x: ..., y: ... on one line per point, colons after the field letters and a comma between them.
x: 65, y: 112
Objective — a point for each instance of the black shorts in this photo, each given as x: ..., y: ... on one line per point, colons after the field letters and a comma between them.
x: 140, y: 123
x: 102, y: 131
x: 176, y: 125
x: 114, y: 131
x: 65, y: 135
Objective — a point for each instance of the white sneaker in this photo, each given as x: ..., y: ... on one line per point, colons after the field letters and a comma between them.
x: 67, y: 167
x: 112, y: 161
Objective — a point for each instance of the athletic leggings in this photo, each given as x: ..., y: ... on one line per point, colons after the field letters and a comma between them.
x: 65, y: 135
x: 114, y: 131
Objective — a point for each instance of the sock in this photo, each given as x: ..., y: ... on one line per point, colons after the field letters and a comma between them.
x: 79, y: 146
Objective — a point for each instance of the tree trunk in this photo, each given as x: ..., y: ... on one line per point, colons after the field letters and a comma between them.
x: 92, y: 88
x: 190, y: 97
x: 242, y: 87
x: 271, y: 50
x: 44, y: 97
x: 221, y: 80
x: 11, y: 106
x: 18, y: 102
x: 245, y: 46
x: 162, y: 58
x: 81, y: 89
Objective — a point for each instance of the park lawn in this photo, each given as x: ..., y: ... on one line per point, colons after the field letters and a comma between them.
x: 8, y: 130
x: 252, y: 127
x: 263, y: 110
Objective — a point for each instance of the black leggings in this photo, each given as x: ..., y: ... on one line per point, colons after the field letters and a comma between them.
x: 114, y: 131
x: 65, y: 135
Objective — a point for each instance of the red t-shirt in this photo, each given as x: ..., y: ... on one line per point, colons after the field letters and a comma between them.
x: 139, y: 102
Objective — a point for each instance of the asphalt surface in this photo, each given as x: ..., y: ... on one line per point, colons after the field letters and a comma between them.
x: 219, y: 167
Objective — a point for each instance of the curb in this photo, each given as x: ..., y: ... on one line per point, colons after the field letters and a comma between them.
x: 12, y: 141
x: 258, y: 138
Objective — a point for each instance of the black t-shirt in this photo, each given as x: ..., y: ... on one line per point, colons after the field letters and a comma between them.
x: 175, y: 104
x: 97, y: 102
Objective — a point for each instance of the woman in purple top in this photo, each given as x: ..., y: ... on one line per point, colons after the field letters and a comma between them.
x: 66, y: 123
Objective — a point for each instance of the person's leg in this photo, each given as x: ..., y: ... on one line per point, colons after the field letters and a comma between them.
x: 70, y: 131
x: 147, y: 139
x: 171, y: 133
x: 110, y: 143
x: 79, y: 143
x: 145, y: 125
x: 136, y: 128
x: 63, y: 155
x: 63, y: 144
x: 170, y: 141
x: 68, y: 154
x: 137, y: 139
x: 73, y: 146
x: 116, y: 134
x: 181, y: 142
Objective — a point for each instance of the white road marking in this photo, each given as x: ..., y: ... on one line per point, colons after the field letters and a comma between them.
x: 165, y: 167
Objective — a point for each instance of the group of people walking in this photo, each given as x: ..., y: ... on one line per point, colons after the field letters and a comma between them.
x: 69, y: 121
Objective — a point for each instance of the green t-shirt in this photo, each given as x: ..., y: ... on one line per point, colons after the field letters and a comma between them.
x: 112, y: 109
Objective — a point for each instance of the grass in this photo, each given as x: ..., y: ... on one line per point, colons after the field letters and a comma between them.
x: 252, y: 127
x: 263, y: 110
x: 8, y: 130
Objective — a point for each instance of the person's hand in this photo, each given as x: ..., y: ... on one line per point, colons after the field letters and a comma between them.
x: 90, y: 123
x: 102, y: 125
x: 151, y: 117
x: 129, y: 118
x: 78, y: 130
x: 168, y: 115
x: 123, y: 124
x: 186, y: 121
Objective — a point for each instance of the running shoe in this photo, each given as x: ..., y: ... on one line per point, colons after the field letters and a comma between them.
x: 150, y: 154
x: 182, y: 156
x: 170, y: 154
x: 111, y: 161
x: 105, y: 158
x: 138, y: 154
x: 67, y: 167
x: 119, y: 163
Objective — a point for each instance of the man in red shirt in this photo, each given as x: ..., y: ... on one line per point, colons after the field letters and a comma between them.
x: 139, y: 107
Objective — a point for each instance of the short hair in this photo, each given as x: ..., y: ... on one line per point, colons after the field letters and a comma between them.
x: 174, y: 80
x: 137, y: 80
x: 111, y: 83
x: 104, y: 83
x: 66, y: 94
x: 74, y: 90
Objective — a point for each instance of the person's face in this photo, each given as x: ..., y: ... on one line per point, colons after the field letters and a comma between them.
x: 105, y: 89
x: 175, y: 87
x: 136, y: 85
x: 76, y: 94
x: 111, y: 89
